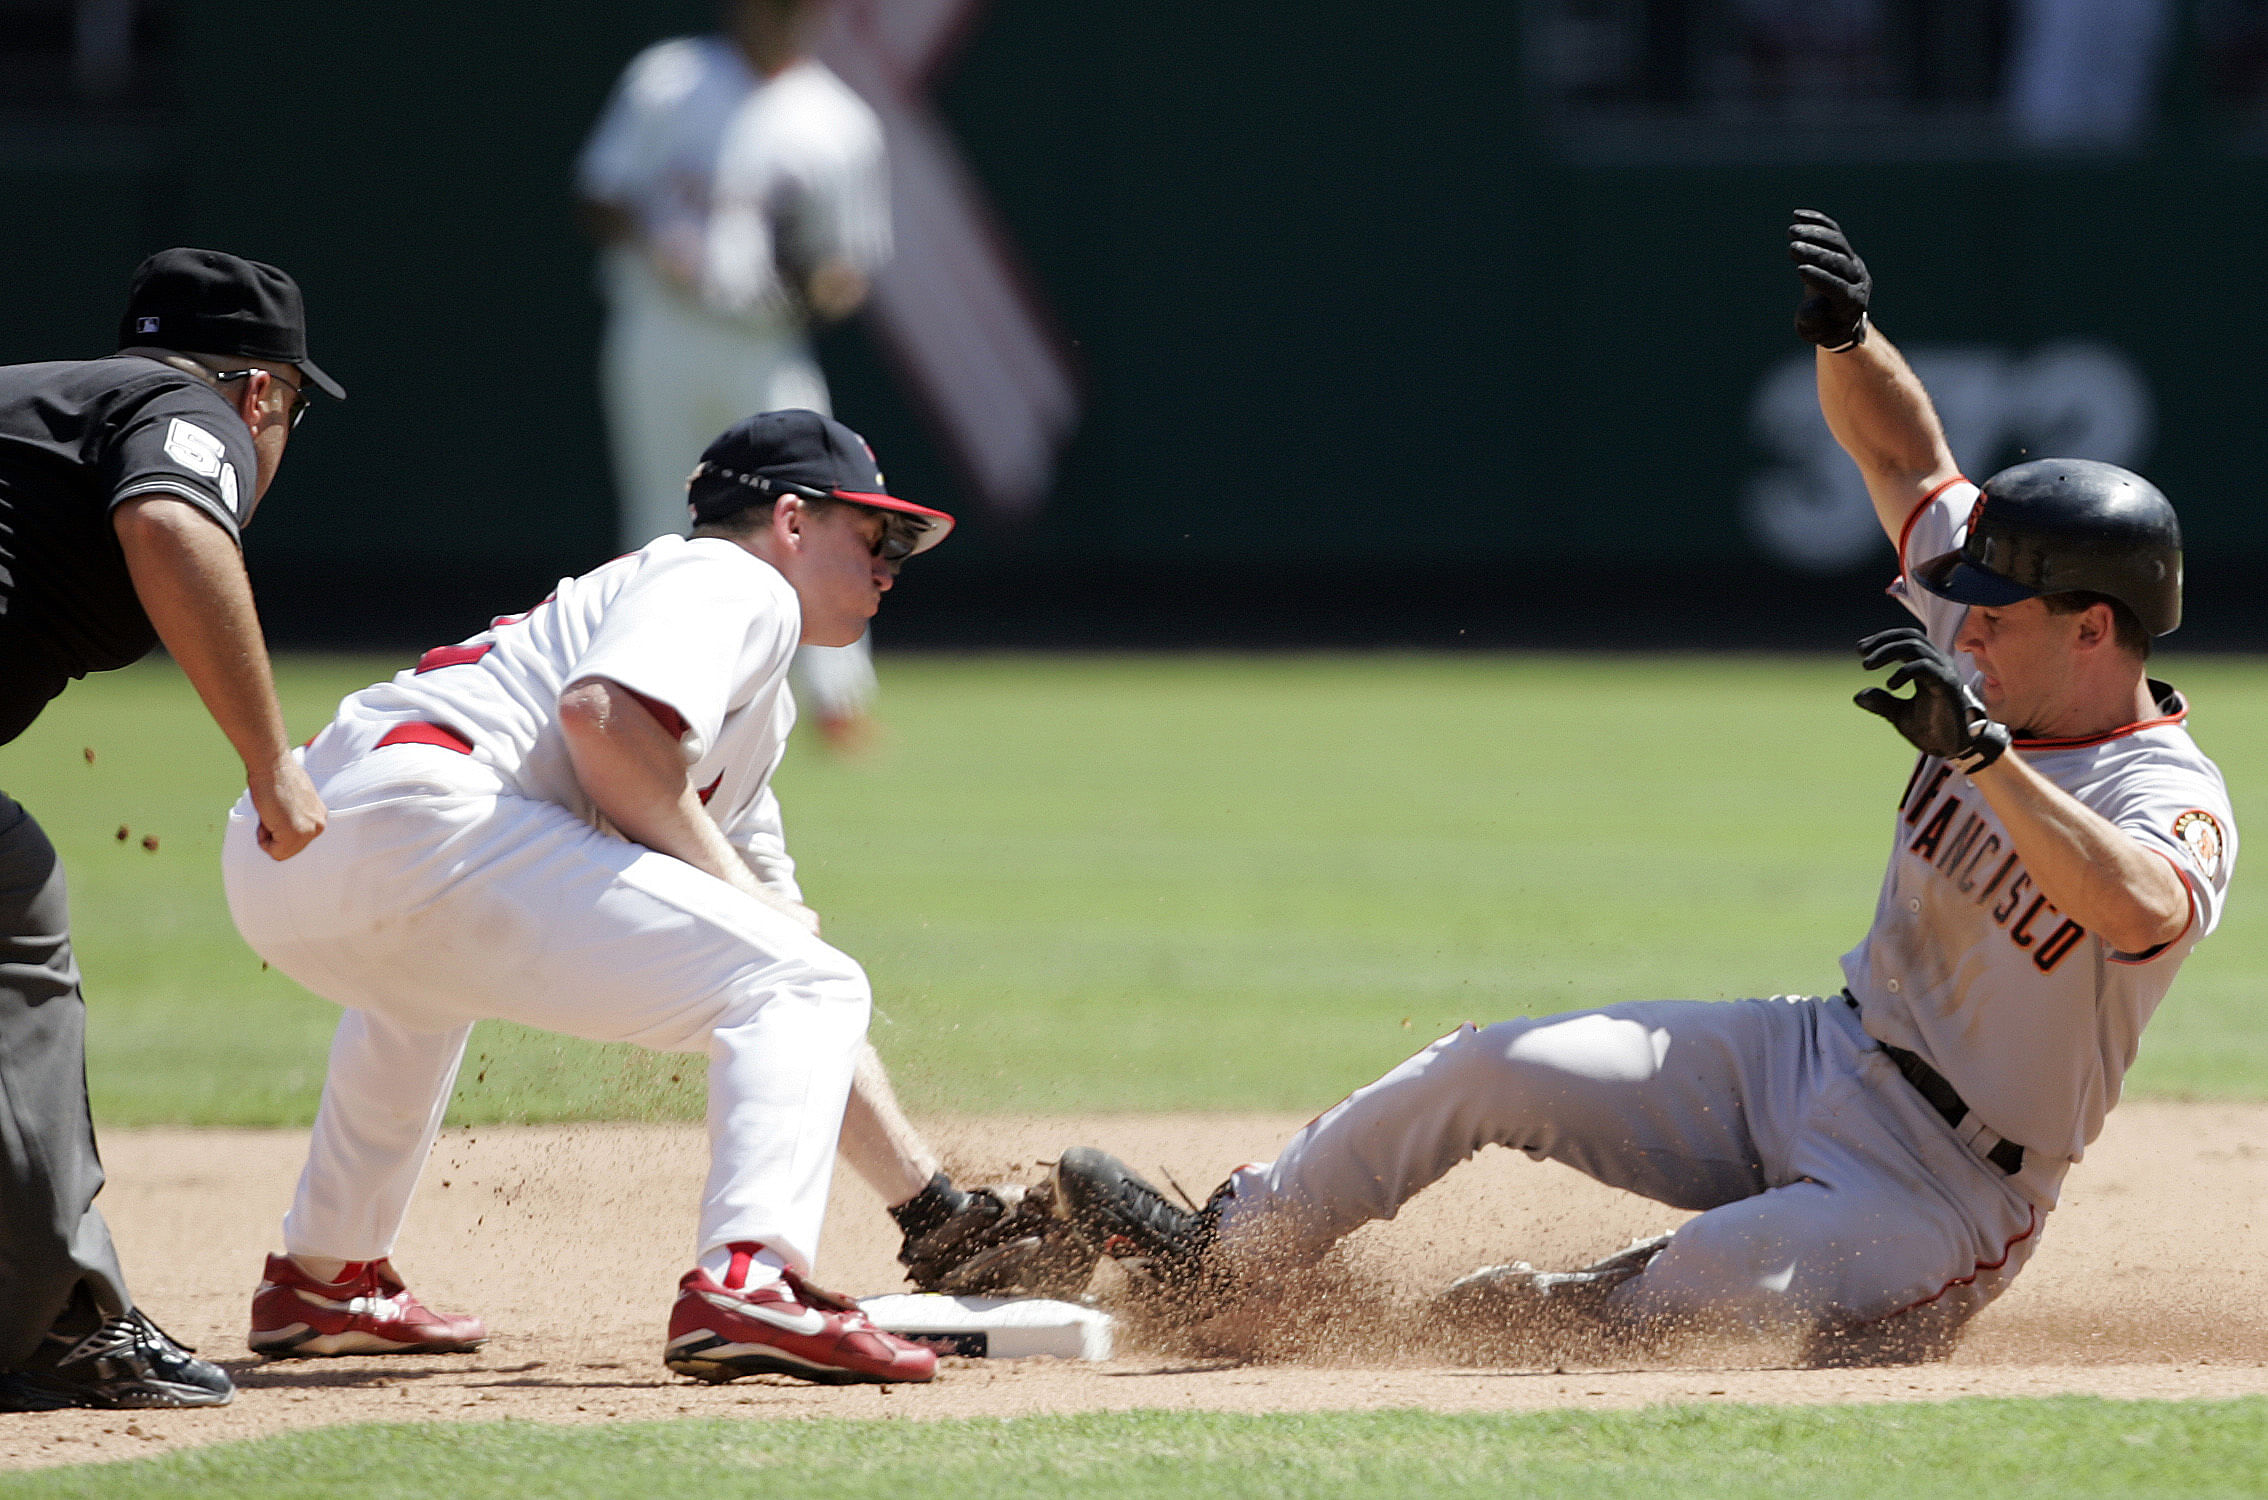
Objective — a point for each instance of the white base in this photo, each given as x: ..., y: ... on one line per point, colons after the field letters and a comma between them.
x: 994, y: 1327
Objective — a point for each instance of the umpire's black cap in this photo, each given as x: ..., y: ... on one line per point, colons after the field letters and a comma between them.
x: 799, y: 452
x: 211, y: 302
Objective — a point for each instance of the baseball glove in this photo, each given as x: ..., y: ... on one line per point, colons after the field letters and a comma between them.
x: 1004, y: 1240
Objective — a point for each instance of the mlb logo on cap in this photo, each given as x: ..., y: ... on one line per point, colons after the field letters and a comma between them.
x: 146, y: 325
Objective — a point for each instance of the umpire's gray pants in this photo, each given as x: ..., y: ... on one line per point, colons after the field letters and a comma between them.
x: 51, y: 1236
x: 1832, y: 1195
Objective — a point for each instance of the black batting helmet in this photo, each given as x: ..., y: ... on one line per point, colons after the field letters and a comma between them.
x: 2056, y: 525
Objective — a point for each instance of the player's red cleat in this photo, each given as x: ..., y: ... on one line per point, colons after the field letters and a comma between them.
x: 366, y: 1311
x: 789, y: 1327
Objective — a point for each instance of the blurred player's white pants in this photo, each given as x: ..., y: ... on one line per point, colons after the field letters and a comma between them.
x: 675, y: 376
x: 1833, y: 1195
x: 435, y: 899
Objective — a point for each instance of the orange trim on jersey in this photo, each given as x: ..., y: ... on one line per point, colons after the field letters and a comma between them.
x: 2153, y: 954
x: 2119, y: 733
x: 1982, y: 1266
x: 1906, y: 531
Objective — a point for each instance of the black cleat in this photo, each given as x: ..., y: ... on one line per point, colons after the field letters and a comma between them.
x: 1135, y: 1223
x: 125, y: 1363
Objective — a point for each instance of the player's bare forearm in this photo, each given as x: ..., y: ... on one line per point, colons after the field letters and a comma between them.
x: 634, y: 772
x: 190, y: 579
x: 878, y: 1140
x: 2096, y: 874
x: 1877, y: 409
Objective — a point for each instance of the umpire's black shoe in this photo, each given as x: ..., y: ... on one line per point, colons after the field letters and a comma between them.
x: 1170, y: 1245
x: 124, y: 1362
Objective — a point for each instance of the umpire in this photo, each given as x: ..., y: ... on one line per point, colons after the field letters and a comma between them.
x: 124, y: 485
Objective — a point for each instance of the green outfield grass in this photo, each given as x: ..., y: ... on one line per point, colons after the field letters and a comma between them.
x: 1152, y: 883
x: 2066, y: 1448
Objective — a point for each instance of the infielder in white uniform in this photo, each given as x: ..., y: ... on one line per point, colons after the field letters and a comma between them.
x: 740, y: 191
x: 1869, y: 1168
x: 567, y: 821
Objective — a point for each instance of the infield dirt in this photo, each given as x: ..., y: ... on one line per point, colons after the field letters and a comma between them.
x: 569, y: 1240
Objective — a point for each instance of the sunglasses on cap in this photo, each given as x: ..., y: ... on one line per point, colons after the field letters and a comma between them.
x: 900, y: 532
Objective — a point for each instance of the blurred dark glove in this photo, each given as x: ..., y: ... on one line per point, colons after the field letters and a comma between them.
x: 1942, y: 717
x: 1836, y: 288
x: 1001, y: 1240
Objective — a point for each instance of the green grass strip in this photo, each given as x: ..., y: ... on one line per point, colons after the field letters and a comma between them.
x: 2065, y: 1447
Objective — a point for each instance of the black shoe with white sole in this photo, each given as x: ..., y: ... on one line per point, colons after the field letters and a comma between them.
x: 121, y: 1364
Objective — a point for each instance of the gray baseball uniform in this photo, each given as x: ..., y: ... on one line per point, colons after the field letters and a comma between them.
x: 1832, y: 1193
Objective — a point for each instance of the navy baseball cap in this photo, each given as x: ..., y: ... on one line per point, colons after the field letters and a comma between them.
x: 211, y: 302
x: 798, y: 452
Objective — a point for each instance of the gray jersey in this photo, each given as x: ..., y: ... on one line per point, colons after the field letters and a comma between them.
x: 2033, y: 1018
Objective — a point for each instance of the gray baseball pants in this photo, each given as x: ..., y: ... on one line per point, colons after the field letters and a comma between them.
x: 52, y: 1238
x: 1831, y: 1195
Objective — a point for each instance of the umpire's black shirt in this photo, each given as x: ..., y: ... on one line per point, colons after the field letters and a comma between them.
x: 76, y: 439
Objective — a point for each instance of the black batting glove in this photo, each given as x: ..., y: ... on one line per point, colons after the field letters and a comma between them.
x: 1942, y: 717
x: 1836, y: 288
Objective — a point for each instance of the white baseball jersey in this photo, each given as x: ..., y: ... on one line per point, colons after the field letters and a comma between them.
x: 738, y: 175
x: 2031, y: 1017
x: 700, y: 628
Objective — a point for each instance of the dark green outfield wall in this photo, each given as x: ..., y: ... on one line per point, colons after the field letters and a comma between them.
x: 1310, y: 257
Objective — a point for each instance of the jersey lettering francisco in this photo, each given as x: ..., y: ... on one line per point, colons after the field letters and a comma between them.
x: 700, y: 629
x: 2033, y: 1018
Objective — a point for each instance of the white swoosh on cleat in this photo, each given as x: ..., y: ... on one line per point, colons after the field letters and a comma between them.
x: 804, y: 1322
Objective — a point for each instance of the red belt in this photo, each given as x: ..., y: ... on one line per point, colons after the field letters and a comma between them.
x: 418, y: 732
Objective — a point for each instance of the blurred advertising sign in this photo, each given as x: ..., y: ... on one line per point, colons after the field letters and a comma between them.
x: 2070, y: 399
x: 966, y: 327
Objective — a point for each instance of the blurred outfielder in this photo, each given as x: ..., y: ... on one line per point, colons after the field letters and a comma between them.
x: 740, y: 193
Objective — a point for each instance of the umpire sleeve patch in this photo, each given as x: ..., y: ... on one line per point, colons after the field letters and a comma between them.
x: 195, y: 449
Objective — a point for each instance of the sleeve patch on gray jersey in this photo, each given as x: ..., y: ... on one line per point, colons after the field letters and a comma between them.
x: 195, y: 449
x: 2199, y: 832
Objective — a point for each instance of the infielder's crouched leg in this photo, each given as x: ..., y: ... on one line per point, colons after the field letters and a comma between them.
x: 780, y: 1064
x: 447, y: 906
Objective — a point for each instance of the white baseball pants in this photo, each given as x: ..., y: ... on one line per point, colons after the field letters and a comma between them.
x: 435, y: 899
x: 674, y: 377
x: 1833, y: 1196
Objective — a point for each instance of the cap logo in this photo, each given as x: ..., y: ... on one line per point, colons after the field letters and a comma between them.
x: 145, y: 325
